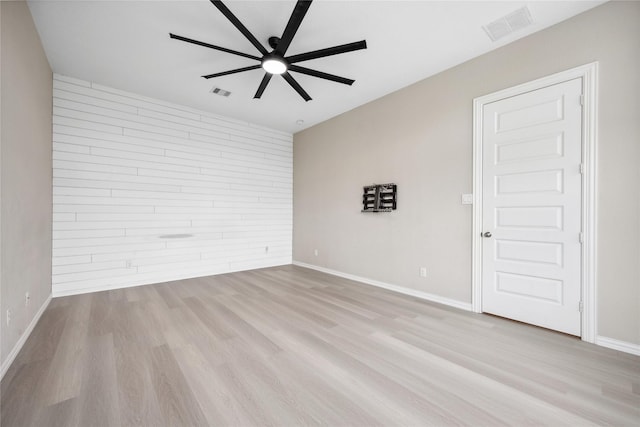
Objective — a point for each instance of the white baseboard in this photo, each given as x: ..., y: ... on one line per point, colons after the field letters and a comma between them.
x: 614, y: 344
x: 23, y: 338
x: 400, y: 289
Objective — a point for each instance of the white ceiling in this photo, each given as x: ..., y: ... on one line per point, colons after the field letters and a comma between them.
x: 126, y: 45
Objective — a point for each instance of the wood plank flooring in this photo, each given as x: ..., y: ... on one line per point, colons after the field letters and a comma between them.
x: 288, y: 346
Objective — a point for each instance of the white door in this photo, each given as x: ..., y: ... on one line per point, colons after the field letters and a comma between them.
x: 531, y: 207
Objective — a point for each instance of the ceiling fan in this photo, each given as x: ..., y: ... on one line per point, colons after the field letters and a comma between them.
x: 275, y: 62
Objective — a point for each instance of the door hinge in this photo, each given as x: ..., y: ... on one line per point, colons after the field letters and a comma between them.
x: 582, y: 168
x: 581, y: 237
x: 581, y: 99
x: 580, y: 306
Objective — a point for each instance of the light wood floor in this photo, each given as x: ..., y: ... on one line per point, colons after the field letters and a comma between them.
x: 289, y: 346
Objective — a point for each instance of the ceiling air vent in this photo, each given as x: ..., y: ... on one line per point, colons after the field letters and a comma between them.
x: 220, y: 92
x: 508, y: 24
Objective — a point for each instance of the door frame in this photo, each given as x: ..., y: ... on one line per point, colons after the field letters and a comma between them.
x: 589, y: 75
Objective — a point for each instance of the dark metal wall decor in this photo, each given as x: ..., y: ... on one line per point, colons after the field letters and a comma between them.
x: 379, y: 198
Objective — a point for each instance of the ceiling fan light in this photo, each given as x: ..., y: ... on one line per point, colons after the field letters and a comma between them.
x: 274, y: 65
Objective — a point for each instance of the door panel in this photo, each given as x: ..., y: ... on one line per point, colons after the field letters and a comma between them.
x: 547, y: 146
x: 538, y: 218
x: 532, y: 207
x: 529, y: 252
x: 534, y: 114
x: 549, y: 181
x: 530, y: 287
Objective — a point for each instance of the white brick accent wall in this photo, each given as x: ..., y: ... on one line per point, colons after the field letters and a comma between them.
x: 145, y: 191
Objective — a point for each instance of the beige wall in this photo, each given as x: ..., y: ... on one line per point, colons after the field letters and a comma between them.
x: 25, y: 203
x: 421, y: 138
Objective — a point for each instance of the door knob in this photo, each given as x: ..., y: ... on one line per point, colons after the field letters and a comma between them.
x: 487, y: 234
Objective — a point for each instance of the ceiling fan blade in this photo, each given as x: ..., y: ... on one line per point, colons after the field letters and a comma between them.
x: 236, y: 22
x: 263, y: 85
x: 211, y: 46
x: 316, y: 73
x: 335, y: 50
x: 237, y: 70
x: 301, y: 8
x: 294, y: 84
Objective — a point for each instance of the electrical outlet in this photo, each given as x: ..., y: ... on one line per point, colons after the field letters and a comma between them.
x: 423, y: 271
x: 27, y: 298
x: 8, y: 317
x: 315, y: 252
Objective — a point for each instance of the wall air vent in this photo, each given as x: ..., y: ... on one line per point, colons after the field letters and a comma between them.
x: 220, y: 92
x: 508, y: 24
